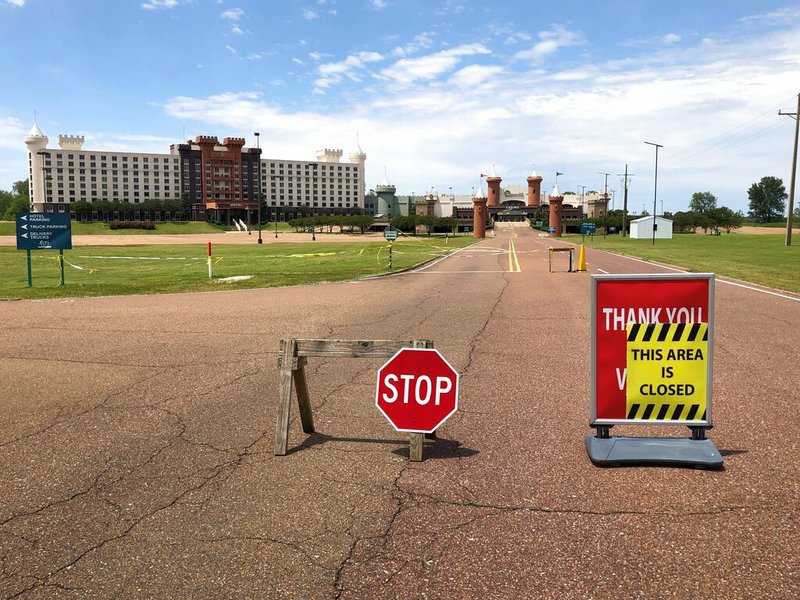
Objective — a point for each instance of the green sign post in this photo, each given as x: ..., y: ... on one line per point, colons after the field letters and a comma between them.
x: 44, y: 231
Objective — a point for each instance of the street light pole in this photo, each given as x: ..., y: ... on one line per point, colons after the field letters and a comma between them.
x: 655, y: 189
x: 258, y: 196
x: 313, y: 224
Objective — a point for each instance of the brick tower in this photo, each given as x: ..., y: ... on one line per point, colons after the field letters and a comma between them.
x: 556, y: 206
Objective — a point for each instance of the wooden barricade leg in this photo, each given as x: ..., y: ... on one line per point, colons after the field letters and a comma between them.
x: 303, y: 400
x: 288, y: 350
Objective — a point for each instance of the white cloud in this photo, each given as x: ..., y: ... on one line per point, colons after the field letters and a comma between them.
x: 473, y: 75
x: 230, y: 49
x: 409, y: 70
x: 550, y: 42
x: 234, y: 17
x: 593, y: 117
x: 351, y: 67
x: 11, y: 132
x: 309, y: 14
x: 671, y: 38
x: 156, y: 4
x: 232, y: 14
x: 421, y: 41
x: 133, y: 137
x: 779, y: 16
x: 18, y: 3
x: 377, y: 4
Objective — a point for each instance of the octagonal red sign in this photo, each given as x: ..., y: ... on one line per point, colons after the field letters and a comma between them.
x: 417, y: 390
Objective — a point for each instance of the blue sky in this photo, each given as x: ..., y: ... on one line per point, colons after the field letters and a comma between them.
x: 437, y: 91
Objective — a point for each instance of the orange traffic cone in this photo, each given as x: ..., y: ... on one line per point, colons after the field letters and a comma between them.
x: 582, y: 259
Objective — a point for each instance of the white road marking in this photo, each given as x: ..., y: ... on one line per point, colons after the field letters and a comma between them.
x: 741, y: 285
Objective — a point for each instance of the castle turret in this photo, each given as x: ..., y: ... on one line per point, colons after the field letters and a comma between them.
x: 71, y: 142
x: 534, y: 189
x: 387, y: 200
x: 360, y: 158
x: 493, y: 184
x: 328, y: 155
x: 556, y: 208
x: 479, y: 214
x: 36, y: 141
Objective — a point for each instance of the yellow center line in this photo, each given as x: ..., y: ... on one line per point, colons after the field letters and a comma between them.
x: 513, y: 259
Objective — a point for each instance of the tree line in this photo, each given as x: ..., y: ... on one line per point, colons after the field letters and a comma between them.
x: 350, y: 222
x: 17, y: 200
x: 767, y: 204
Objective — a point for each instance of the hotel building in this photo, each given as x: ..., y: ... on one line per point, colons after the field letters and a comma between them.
x: 221, y: 181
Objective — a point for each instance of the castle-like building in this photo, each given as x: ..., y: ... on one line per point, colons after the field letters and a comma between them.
x: 221, y: 181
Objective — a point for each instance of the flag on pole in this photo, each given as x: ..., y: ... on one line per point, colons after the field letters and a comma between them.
x: 483, y: 175
x: 557, y: 173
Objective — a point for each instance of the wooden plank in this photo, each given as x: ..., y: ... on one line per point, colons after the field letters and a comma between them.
x: 415, y: 446
x: 356, y: 348
x: 303, y: 400
x: 288, y: 349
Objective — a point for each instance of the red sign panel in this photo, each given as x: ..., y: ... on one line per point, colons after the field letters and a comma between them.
x: 417, y: 390
x: 619, y: 300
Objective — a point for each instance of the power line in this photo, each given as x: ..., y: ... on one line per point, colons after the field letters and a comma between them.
x: 723, y: 140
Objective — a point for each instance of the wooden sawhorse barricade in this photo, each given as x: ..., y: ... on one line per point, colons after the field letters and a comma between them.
x: 294, y: 354
x: 558, y: 249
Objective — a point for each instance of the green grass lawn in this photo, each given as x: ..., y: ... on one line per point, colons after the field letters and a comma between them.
x: 760, y: 259
x: 151, y: 269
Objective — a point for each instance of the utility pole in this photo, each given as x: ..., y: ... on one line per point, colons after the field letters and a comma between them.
x: 655, y: 189
x: 796, y: 116
x: 605, y: 204
x: 625, y: 197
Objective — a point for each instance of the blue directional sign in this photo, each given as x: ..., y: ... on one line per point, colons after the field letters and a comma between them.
x: 551, y: 230
x: 44, y: 231
x: 588, y: 228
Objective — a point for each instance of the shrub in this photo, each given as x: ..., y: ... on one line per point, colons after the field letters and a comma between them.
x: 132, y: 225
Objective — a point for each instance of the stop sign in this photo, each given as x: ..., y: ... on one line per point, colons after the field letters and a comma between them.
x: 417, y: 390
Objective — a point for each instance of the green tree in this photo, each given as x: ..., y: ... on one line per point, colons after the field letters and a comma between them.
x: 702, y: 202
x: 684, y: 221
x: 20, y: 188
x: 767, y: 199
x: 15, y: 201
x: 725, y: 218
x: 5, y: 200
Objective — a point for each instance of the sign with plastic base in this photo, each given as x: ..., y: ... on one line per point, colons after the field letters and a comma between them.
x: 651, y: 364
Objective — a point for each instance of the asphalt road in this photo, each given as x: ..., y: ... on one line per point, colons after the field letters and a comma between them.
x: 137, y: 448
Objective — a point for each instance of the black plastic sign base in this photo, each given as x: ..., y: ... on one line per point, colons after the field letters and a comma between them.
x: 629, y: 451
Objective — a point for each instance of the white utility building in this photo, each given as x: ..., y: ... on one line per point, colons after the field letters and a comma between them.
x: 642, y: 229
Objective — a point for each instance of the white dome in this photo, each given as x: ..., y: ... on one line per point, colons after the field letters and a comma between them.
x: 35, y: 131
x: 555, y: 191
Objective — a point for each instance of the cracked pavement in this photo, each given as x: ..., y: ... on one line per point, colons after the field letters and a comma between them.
x: 137, y: 437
